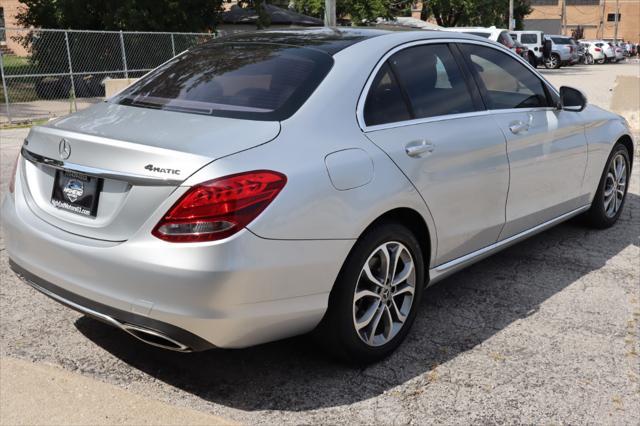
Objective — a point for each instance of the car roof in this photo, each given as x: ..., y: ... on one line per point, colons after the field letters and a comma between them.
x: 334, y: 40
x: 329, y: 40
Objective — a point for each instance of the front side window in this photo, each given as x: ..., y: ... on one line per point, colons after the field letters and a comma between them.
x: 432, y: 81
x: 508, y: 83
x: 250, y: 81
x: 561, y: 40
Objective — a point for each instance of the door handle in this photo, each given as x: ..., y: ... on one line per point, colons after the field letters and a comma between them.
x: 518, y: 126
x: 417, y: 148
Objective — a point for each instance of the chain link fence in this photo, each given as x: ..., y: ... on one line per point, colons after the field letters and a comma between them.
x: 47, y: 73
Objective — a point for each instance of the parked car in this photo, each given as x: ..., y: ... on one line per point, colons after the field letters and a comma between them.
x: 595, y: 53
x: 609, y: 53
x: 523, y: 51
x: 260, y: 186
x: 534, y: 40
x: 619, y: 52
x: 563, y: 50
x: 491, y: 33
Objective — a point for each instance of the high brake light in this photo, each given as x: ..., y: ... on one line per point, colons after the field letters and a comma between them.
x: 219, y: 208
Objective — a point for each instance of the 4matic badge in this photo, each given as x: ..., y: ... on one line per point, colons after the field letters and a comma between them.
x: 153, y: 168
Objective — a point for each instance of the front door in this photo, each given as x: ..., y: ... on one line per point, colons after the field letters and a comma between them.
x: 546, y: 146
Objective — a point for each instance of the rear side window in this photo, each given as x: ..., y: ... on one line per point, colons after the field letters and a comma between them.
x: 528, y: 38
x: 432, y: 81
x: 251, y: 81
x: 561, y: 40
x: 508, y: 83
x: 385, y: 102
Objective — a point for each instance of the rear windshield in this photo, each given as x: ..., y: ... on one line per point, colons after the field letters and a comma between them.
x: 250, y: 81
x: 561, y: 40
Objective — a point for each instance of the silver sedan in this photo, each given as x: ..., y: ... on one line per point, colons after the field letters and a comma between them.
x: 266, y: 185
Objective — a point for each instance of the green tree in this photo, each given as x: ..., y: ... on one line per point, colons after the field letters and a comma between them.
x: 357, y: 11
x: 137, y: 15
x: 452, y: 13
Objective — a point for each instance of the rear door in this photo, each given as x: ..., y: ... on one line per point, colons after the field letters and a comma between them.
x: 422, y: 111
x: 546, y: 146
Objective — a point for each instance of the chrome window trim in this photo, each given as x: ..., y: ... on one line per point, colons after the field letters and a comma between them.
x: 131, y: 178
x: 415, y: 121
x: 486, y: 43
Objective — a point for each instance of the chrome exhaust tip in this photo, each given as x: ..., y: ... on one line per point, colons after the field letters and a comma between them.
x: 154, y: 338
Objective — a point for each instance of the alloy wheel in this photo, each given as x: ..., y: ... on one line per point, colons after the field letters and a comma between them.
x: 615, y: 185
x: 384, y: 293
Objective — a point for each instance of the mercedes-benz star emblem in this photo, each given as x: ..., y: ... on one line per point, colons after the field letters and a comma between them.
x: 64, y: 149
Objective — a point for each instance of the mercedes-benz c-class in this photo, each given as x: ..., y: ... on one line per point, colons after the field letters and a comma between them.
x: 265, y: 185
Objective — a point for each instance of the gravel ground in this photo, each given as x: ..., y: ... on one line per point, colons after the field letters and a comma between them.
x: 546, y: 331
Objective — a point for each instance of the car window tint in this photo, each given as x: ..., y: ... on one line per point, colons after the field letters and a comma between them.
x: 561, y: 40
x: 528, y: 38
x: 385, y: 103
x: 432, y: 80
x: 508, y: 83
x: 252, y: 81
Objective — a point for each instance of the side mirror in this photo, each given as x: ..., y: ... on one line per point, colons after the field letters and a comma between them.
x: 546, y: 48
x: 572, y: 99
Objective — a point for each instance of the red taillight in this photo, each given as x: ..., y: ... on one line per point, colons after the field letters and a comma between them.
x: 519, y: 50
x: 597, y: 49
x: 219, y: 208
x: 12, y: 179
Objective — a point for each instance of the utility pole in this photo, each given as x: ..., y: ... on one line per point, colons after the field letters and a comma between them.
x: 601, y: 29
x: 564, y: 17
x: 329, y: 13
x: 511, y: 26
x: 615, y: 31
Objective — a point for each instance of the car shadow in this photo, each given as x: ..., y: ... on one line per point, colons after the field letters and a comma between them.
x: 456, y: 315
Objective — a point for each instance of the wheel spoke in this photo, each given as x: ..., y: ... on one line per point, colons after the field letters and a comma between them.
x: 370, y: 276
x: 407, y: 289
x: 376, y: 322
x: 403, y: 275
x: 401, y: 318
x: 389, y: 320
x: 386, y: 268
x: 365, y: 293
x: 395, y: 258
x: 368, y: 316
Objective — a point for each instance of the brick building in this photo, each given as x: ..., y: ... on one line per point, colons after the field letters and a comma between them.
x: 597, y: 17
x: 8, y: 12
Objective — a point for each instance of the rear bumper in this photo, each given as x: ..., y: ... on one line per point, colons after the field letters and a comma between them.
x: 237, y: 292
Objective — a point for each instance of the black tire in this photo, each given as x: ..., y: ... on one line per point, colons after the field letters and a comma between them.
x: 337, y: 332
x: 553, y: 61
x: 597, y: 216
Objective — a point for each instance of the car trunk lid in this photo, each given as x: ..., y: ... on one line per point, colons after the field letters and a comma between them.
x: 139, y: 157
